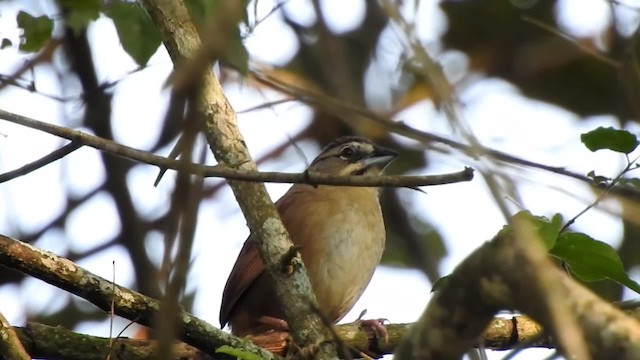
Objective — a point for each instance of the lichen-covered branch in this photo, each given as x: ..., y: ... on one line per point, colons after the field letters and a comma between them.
x: 43, y: 341
x: 501, y: 334
x: 499, y: 276
x: 66, y: 275
x: 49, y: 342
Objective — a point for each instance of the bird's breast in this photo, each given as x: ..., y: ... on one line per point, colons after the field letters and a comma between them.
x: 341, y: 244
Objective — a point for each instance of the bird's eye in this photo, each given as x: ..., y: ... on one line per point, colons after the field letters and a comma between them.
x: 346, y: 152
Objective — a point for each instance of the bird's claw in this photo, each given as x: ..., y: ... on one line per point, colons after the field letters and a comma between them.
x: 378, y: 328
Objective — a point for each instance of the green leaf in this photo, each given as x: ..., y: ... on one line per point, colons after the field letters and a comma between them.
x: 80, y: 13
x: 546, y: 229
x: 238, y: 353
x: 6, y: 43
x: 609, y: 138
x: 138, y: 35
x: 235, y: 53
x: 598, y: 179
x: 592, y: 260
x: 36, y: 31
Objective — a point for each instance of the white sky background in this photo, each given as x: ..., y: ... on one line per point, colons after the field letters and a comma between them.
x: 499, y: 116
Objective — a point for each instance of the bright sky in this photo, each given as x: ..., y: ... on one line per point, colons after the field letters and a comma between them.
x: 499, y: 116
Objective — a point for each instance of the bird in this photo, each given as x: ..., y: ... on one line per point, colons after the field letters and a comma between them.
x: 339, y: 231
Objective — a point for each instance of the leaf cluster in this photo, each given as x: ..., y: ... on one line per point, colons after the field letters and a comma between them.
x: 137, y: 33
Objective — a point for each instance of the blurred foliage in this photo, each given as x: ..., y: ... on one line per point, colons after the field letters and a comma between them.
x: 36, y: 31
x: 80, y: 13
x: 138, y: 35
x: 504, y: 39
x: 235, y: 55
x: 500, y: 42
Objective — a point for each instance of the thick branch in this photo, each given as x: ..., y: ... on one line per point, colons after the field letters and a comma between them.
x: 64, y: 274
x: 81, y: 138
x: 49, y: 342
x: 501, y: 334
x: 499, y: 276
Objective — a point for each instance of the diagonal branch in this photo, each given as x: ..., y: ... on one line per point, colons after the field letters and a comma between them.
x: 129, y: 304
x: 293, y: 289
x: 42, y: 162
x: 182, y: 220
x: 498, y: 276
x: 10, y: 345
x: 346, y: 111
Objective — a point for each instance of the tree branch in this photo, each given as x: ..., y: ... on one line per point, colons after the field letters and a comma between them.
x: 231, y: 173
x: 499, y: 276
x: 66, y: 275
x: 182, y: 221
x: 43, y: 341
x: 293, y: 289
x: 498, y: 281
x: 42, y: 162
x: 10, y: 346
x: 346, y: 111
x: 49, y: 342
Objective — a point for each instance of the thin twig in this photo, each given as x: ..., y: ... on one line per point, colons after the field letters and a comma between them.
x: 346, y: 111
x: 602, y: 195
x: 181, y: 225
x: 229, y: 172
x: 576, y: 42
x: 427, y: 69
x: 42, y: 162
x: 112, y: 314
x: 44, y: 55
x: 266, y: 105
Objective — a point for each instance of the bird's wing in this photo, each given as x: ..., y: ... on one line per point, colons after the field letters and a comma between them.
x: 246, y: 270
x: 249, y: 264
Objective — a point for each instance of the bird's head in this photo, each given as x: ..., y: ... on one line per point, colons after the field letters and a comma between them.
x: 351, y: 155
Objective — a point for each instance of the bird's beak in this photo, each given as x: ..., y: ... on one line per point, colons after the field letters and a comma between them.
x: 380, y: 158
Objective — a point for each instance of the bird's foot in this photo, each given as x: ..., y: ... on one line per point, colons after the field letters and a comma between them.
x: 377, y: 327
x: 274, y: 323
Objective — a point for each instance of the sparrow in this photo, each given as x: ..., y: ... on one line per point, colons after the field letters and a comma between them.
x: 339, y: 231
